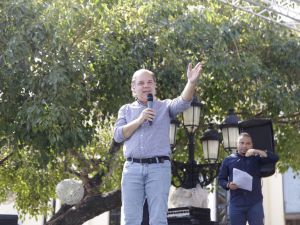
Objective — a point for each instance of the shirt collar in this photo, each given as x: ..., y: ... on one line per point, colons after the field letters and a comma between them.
x: 239, y: 155
x: 138, y: 102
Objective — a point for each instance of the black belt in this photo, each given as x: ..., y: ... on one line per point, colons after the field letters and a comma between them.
x: 158, y: 159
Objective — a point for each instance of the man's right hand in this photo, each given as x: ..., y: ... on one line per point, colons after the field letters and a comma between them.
x: 147, y: 114
x: 232, y: 186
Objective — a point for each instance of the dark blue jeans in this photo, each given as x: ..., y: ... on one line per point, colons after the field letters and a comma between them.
x: 239, y: 215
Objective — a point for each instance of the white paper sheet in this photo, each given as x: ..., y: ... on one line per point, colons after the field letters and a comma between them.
x: 242, y: 179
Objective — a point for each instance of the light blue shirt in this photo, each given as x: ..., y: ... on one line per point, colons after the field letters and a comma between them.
x: 148, y: 141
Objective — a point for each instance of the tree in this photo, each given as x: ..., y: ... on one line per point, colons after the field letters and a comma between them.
x: 66, y: 68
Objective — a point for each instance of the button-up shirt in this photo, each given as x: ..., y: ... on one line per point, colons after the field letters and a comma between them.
x: 148, y: 140
x: 251, y: 165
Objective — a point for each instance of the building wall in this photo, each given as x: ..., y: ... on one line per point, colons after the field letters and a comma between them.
x: 102, y: 219
x: 291, y: 194
x: 8, y: 208
x: 272, y: 189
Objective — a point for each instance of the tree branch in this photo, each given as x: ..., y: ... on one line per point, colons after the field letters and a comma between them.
x: 5, y: 158
x: 63, y: 209
x: 90, y: 207
x: 114, y: 148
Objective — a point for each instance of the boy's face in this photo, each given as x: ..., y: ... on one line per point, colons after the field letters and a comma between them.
x: 244, y: 143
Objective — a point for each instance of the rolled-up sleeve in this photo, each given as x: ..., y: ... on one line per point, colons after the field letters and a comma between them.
x: 178, y: 105
x: 121, y: 121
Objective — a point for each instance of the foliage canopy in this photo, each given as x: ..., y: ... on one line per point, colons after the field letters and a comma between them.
x: 66, y: 68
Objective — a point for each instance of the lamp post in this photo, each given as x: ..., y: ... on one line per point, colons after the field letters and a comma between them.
x: 190, y: 174
x: 230, y: 132
x: 210, y: 144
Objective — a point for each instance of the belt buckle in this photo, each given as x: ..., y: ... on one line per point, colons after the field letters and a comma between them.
x: 160, y: 159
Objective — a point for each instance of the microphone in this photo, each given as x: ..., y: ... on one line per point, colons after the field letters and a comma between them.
x: 150, y: 104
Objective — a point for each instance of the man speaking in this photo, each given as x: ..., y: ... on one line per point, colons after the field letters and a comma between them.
x: 145, y: 133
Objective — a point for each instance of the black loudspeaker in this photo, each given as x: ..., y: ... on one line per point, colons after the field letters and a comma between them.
x: 8, y: 219
x: 261, y: 131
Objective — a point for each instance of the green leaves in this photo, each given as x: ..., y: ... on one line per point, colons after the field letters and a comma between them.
x: 66, y: 67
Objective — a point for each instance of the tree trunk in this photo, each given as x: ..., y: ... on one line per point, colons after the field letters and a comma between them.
x: 87, y: 209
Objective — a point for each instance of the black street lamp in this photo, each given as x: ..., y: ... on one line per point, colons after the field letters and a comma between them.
x: 190, y: 174
x: 230, y: 131
x: 210, y: 144
x: 191, y: 116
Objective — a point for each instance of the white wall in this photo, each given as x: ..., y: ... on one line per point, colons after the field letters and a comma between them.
x: 102, y: 219
x: 273, y: 205
x: 291, y: 192
x: 8, y: 208
x: 273, y: 199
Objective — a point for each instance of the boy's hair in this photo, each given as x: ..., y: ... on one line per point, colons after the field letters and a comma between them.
x: 244, y: 134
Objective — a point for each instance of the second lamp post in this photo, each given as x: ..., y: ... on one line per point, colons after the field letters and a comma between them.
x: 190, y: 174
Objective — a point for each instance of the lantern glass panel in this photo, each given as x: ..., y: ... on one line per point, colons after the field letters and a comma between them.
x: 211, y: 150
x: 230, y: 135
x: 191, y: 118
x: 172, y: 134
